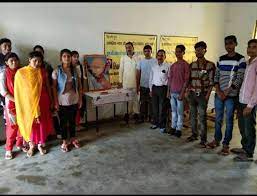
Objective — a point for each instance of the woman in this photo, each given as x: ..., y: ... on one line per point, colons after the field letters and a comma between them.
x: 68, y: 98
x: 33, y: 109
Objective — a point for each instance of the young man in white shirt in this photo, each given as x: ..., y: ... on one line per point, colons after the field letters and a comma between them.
x: 127, y: 77
x: 158, y: 90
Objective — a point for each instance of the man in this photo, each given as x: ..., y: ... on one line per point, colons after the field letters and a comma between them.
x: 158, y: 82
x: 228, y: 80
x: 247, y: 106
x: 200, y: 86
x: 178, y: 81
x: 143, y: 72
x: 127, y: 77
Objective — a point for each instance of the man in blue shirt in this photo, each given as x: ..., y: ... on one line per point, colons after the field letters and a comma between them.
x: 143, y: 72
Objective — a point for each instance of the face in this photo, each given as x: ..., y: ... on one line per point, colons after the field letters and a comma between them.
x: 179, y: 53
x: 147, y: 53
x: 200, y: 52
x: 39, y: 50
x: 6, y: 47
x: 12, y: 63
x: 252, y: 50
x: 66, y: 58
x: 75, y: 59
x: 129, y: 49
x: 97, y: 66
x: 230, y: 46
x: 160, y: 57
x: 35, y: 62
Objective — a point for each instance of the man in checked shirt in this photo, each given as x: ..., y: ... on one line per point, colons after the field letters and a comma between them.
x: 200, y: 86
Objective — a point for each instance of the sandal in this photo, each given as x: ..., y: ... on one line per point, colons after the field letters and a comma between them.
x: 23, y: 148
x: 30, y: 152
x: 8, y: 155
x: 76, y: 143
x: 64, y: 148
x: 41, y: 149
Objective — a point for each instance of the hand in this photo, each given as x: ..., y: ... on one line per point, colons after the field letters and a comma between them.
x: 56, y: 106
x: 138, y: 91
x: 247, y: 111
x: 37, y: 120
x: 80, y: 103
x: 227, y: 91
x: 150, y: 93
x: 181, y: 97
x: 221, y: 95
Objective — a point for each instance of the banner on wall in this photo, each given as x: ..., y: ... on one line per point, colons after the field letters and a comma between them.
x: 168, y: 43
x: 114, y: 48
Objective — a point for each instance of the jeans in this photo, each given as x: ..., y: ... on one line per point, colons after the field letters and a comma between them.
x: 247, y: 129
x: 229, y: 104
x: 198, y: 104
x: 177, y: 112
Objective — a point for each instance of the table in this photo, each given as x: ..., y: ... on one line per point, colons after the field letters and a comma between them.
x: 111, y: 96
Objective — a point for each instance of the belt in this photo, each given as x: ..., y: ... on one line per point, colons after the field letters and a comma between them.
x: 197, y: 93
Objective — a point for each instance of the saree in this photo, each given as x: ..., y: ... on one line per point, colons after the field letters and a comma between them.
x: 27, y: 91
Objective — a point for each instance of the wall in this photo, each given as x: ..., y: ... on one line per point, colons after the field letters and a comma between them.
x: 81, y: 26
x: 240, y: 19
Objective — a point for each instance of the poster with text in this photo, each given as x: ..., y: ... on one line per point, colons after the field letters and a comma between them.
x: 114, y: 48
x: 169, y: 43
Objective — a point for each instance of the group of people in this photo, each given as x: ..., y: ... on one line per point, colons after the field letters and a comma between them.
x: 162, y: 86
x: 40, y: 101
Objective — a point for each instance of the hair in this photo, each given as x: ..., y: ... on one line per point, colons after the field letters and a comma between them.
x: 74, y: 52
x: 130, y: 44
x: 231, y: 37
x: 147, y: 47
x: 161, y: 50
x: 181, y: 47
x: 38, y: 46
x: 252, y: 41
x: 11, y: 55
x: 201, y: 44
x: 34, y: 54
x: 5, y: 40
x: 65, y: 51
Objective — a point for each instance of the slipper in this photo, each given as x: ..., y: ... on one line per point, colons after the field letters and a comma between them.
x: 76, y: 143
x: 30, y: 152
x: 64, y: 148
x: 41, y: 150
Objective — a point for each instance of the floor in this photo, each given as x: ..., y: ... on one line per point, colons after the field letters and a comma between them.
x: 129, y: 160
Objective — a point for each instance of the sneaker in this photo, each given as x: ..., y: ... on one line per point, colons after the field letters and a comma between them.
x: 238, y: 150
x: 224, y: 151
x: 243, y: 158
x: 191, y: 138
x: 172, y: 131
x: 154, y: 127
x: 8, y: 155
x: 213, y: 144
x: 178, y: 133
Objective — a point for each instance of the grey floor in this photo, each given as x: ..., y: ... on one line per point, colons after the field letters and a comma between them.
x: 129, y: 160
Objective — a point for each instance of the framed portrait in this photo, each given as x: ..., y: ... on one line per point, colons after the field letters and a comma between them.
x: 97, y: 69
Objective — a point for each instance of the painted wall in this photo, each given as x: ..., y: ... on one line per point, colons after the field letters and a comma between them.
x: 240, y: 19
x: 81, y: 26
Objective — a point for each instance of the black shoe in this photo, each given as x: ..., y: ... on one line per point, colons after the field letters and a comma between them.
x: 191, y: 138
x: 178, y: 133
x: 154, y: 127
x: 172, y: 131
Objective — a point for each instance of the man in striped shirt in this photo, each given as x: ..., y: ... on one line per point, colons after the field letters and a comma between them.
x: 228, y: 79
x: 200, y: 86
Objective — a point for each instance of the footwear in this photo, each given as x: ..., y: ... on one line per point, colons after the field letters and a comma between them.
x: 178, y: 133
x: 23, y: 148
x: 191, y: 138
x: 243, y: 158
x: 172, y: 131
x: 154, y: 127
x: 8, y: 155
x: 202, y: 144
x: 238, y: 151
x: 30, y: 152
x: 64, y: 148
x: 41, y: 149
x: 76, y: 143
x: 163, y: 130
x: 224, y: 151
x: 213, y: 144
